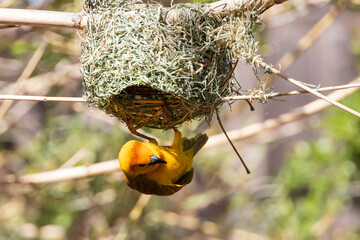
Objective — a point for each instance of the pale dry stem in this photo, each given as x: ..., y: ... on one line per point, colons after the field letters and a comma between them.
x: 312, y: 91
x: 28, y: 70
x: 308, y: 39
x: 279, y: 94
x: 294, y: 115
x: 192, y: 223
x: 41, y: 18
x: 66, y: 174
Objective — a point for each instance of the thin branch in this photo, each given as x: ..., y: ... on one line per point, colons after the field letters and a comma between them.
x: 138, y: 209
x: 7, y: 3
x: 78, y: 156
x: 225, y: 7
x: 8, y: 26
x: 231, y: 143
x: 41, y: 98
x: 298, y: 113
x: 215, y: 140
x: 309, y: 38
x: 243, y: 97
x: 192, y: 223
x: 74, y: 99
x: 304, y: 43
x: 60, y: 75
x: 25, y: 75
x: 310, y: 90
x: 278, y: 94
x: 331, y: 88
x: 41, y: 18
x: 63, y: 174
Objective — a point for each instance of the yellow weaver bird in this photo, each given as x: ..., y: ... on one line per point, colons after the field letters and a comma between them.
x: 160, y: 170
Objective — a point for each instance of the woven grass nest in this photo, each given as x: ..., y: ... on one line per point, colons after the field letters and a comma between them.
x: 149, y: 72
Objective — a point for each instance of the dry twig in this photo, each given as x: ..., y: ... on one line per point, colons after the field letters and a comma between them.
x: 29, y: 69
x: 192, y: 223
x: 298, y: 113
x: 310, y: 90
x: 232, y: 98
x: 278, y: 94
x: 64, y: 174
x: 216, y: 140
x: 41, y: 98
x: 43, y: 18
x: 309, y: 38
x: 112, y: 165
x: 39, y: 84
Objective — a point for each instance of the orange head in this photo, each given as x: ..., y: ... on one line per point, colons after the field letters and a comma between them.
x: 136, y: 158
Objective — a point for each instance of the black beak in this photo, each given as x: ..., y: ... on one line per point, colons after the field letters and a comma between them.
x: 155, y: 160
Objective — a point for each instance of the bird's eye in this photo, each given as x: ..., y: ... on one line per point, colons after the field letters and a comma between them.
x: 142, y: 165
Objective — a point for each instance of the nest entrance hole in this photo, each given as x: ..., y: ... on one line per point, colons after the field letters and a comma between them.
x: 145, y: 106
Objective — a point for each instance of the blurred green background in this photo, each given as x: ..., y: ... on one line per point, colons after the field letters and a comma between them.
x: 304, y: 185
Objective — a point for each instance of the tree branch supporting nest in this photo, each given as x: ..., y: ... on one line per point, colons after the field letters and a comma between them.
x: 225, y: 99
x: 41, y: 18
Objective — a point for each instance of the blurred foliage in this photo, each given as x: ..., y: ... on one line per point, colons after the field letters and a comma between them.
x: 315, y: 183
x: 355, y: 46
x: 18, y: 48
x: 313, y: 186
x: 65, y: 135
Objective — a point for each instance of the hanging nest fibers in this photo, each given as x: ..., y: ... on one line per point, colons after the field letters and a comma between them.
x: 147, y: 71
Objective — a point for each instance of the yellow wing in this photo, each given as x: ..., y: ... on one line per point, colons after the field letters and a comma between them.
x: 192, y: 146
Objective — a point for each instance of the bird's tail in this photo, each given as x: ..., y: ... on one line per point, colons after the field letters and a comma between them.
x: 195, y: 143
